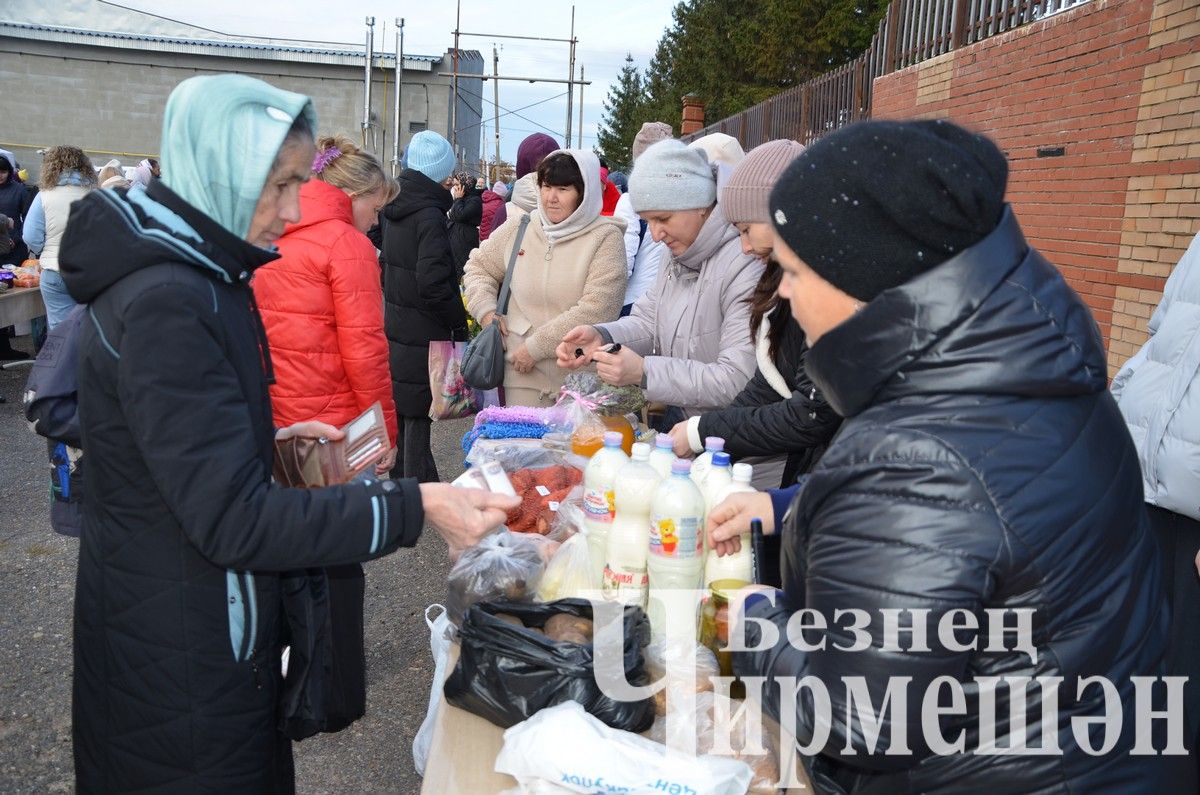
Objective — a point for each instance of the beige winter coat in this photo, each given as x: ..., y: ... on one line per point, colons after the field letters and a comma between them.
x: 579, y: 280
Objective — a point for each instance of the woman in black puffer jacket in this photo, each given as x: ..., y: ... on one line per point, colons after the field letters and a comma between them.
x: 983, y: 466
x: 466, y: 213
x: 420, y: 290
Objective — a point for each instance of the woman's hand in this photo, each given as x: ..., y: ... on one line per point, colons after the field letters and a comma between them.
x: 386, y: 463
x: 463, y: 516
x: 456, y: 191
x: 580, y: 337
x: 520, y: 359
x: 487, y: 321
x: 681, y: 444
x: 309, y: 430
x: 623, y: 368
x: 730, y: 520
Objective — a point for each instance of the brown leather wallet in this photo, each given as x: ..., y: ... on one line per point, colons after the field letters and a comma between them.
x: 312, y: 463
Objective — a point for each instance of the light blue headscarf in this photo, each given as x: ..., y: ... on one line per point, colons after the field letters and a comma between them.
x: 220, y: 137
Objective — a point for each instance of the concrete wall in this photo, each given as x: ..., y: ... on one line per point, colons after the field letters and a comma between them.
x: 1116, y: 85
x: 109, y: 101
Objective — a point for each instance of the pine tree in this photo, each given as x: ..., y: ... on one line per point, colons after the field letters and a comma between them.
x: 734, y: 54
x: 624, y: 110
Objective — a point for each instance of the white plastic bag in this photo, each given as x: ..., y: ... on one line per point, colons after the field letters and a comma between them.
x: 570, y: 748
x: 439, y: 646
x: 569, y: 574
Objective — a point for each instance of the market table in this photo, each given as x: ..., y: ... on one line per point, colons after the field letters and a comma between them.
x: 464, y: 748
x: 20, y: 304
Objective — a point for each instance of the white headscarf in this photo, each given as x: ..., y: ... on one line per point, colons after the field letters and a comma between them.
x: 590, y: 204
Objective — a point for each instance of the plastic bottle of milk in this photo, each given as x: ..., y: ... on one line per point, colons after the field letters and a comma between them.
x: 663, y: 455
x: 738, y: 566
x: 703, y: 462
x: 625, y: 578
x: 719, y: 476
x: 676, y: 560
x: 598, y: 498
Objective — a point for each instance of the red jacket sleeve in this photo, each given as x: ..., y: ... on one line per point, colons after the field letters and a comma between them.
x: 358, y: 313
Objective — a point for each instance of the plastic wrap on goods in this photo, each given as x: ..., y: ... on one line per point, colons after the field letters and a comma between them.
x: 506, y: 673
x: 502, y: 565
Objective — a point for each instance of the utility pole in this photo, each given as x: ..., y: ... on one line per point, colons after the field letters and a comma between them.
x: 399, y: 95
x: 579, y: 134
x: 571, y: 78
x: 454, y: 92
x: 496, y: 102
x: 366, y: 122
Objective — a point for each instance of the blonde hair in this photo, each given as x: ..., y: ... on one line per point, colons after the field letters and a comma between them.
x: 343, y: 165
x: 109, y: 170
x: 60, y: 160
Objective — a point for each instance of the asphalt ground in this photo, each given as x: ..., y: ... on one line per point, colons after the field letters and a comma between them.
x: 37, y: 583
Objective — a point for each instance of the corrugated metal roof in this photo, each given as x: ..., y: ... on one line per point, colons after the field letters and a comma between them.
x: 227, y: 48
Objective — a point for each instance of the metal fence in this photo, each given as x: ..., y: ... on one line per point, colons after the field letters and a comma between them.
x: 910, y: 32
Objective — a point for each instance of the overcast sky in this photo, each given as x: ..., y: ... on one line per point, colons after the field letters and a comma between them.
x: 606, y: 30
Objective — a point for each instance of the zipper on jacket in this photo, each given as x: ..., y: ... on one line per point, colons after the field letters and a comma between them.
x: 252, y: 611
x: 242, y: 614
x: 264, y: 349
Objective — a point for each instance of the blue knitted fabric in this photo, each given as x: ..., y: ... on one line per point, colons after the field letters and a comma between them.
x: 503, y: 430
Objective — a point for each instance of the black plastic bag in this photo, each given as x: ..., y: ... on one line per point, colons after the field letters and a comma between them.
x: 507, y: 673
x: 325, y: 688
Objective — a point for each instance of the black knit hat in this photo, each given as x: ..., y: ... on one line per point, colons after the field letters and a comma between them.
x: 876, y: 203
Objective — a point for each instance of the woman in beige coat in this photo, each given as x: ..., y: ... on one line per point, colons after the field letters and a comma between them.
x: 570, y: 271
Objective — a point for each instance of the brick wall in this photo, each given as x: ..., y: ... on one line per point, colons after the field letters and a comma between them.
x: 1116, y: 85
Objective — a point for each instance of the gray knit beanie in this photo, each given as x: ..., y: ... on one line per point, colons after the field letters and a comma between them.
x: 651, y: 133
x: 745, y: 197
x: 671, y: 176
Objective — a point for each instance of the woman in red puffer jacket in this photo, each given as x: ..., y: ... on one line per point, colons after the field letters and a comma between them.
x: 322, y: 306
x: 322, y: 302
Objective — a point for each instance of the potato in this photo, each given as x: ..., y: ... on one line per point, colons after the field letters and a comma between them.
x: 566, y: 628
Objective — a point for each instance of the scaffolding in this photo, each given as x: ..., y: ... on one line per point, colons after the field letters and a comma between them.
x: 496, y: 77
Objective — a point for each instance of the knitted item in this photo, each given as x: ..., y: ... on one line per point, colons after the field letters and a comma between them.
x: 651, y: 133
x: 430, y: 154
x: 671, y: 176
x: 870, y: 206
x: 526, y: 415
x: 503, y: 430
x: 744, y: 198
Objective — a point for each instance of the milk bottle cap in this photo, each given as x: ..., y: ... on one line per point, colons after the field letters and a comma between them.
x: 612, y: 439
x: 714, y: 444
x: 641, y: 451
x: 720, y: 459
x: 681, y: 466
x: 743, y: 473
x: 664, y: 442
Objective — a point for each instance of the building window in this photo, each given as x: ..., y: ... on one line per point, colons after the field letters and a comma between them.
x: 416, y: 126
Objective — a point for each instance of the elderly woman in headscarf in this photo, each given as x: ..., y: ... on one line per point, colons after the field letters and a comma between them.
x: 570, y: 269
x: 179, y: 615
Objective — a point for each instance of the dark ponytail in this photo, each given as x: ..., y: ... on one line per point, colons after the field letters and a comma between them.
x: 765, y: 298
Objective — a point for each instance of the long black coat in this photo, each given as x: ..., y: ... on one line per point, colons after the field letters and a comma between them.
x: 760, y: 421
x: 420, y: 287
x: 466, y: 214
x: 178, y: 600
x: 982, y: 465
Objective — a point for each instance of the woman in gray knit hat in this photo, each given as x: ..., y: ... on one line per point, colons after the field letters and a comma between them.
x: 687, y: 340
x: 780, y: 412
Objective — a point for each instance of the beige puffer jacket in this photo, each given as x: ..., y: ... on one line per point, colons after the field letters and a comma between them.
x: 577, y: 280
